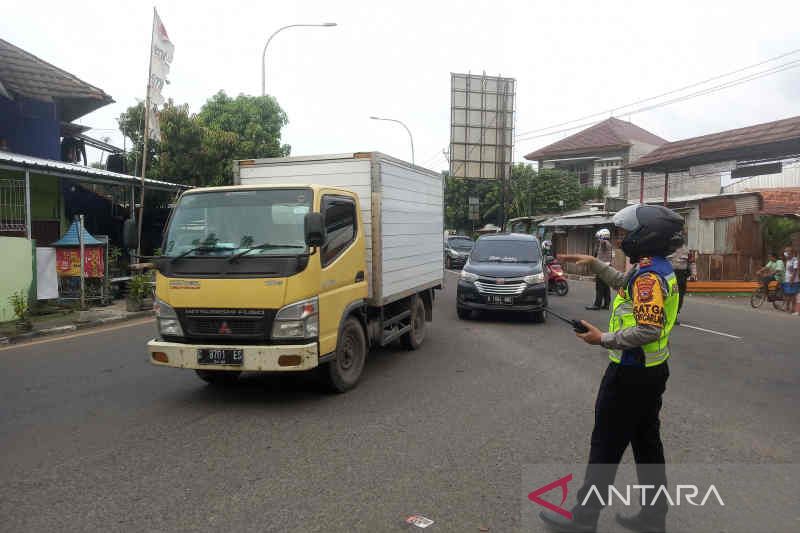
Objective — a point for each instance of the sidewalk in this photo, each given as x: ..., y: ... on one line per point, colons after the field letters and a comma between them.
x: 60, y: 324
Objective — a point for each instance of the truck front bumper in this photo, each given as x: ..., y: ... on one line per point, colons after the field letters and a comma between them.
x: 256, y: 358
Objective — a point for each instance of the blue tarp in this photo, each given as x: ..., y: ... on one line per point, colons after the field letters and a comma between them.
x: 70, y: 238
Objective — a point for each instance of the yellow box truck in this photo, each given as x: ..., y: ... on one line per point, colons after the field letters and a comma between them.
x: 306, y: 262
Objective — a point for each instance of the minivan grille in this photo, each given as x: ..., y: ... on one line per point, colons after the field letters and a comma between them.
x: 509, y: 287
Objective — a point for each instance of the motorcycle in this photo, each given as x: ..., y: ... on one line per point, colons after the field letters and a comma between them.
x: 556, y: 279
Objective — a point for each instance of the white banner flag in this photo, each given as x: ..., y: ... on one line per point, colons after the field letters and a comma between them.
x: 160, y: 59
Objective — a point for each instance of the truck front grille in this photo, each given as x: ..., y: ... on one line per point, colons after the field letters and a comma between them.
x: 227, y: 324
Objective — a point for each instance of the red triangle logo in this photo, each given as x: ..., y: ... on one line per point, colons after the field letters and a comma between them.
x: 534, y: 496
x: 224, y: 329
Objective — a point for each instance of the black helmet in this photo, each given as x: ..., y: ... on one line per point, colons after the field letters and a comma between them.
x: 652, y: 230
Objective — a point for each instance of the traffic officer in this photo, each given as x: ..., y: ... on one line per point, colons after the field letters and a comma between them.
x: 629, y: 400
x: 603, y: 253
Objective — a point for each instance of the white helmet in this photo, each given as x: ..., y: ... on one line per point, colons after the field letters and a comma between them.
x: 547, y: 244
x: 603, y: 234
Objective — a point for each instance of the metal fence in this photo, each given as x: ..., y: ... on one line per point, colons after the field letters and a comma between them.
x: 12, y: 205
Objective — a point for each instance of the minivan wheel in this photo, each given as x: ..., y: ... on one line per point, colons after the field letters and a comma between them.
x: 414, y: 338
x: 538, y: 317
x: 463, y: 313
x: 343, y: 373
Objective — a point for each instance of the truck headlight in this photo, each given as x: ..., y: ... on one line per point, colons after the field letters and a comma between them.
x: 299, y: 320
x: 469, y: 277
x: 167, y: 319
x: 533, y: 279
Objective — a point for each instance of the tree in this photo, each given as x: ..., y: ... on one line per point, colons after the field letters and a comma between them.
x: 199, y: 149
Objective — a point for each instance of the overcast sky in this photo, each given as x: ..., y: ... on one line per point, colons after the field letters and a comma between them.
x: 394, y: 59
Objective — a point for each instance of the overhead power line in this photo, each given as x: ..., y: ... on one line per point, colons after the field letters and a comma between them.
x: 732, y: 83
x: 620, y: 108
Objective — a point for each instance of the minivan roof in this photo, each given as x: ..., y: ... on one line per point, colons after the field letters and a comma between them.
x: 509, y: 237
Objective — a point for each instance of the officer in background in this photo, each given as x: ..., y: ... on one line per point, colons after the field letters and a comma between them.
x: 629, y: 400
x: 602, y: 292
x: 679, y: 259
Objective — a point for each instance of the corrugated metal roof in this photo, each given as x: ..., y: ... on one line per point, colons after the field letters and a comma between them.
x: 24, y: 74
x: 770, y: 139
x: 70, y: 170
x: 577, y: 221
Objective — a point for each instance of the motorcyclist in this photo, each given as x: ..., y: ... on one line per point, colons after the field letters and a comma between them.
x: 629, y: 399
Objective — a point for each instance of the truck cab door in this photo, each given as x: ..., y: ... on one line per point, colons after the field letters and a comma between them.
x: 343, y: 265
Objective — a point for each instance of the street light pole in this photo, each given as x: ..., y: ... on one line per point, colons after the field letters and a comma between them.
x: 410, y: 138
x: 276, y: 32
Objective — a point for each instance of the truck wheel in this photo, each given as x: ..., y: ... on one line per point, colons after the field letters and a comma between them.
x: 414, y: 338
x: 343, y: 373
x: 463, y: 313
x: 220, y: 378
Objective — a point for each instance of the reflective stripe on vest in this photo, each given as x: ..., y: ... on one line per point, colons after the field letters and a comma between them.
x: 622, y: 317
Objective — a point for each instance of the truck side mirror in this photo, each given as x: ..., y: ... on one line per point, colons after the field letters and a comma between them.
x: 130, y: 234
x: 314, y: 229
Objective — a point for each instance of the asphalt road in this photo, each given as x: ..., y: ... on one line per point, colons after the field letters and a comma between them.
x: 94, y: 438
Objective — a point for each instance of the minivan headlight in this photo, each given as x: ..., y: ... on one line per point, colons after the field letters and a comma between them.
x: 299, y: 320
x: 533, y: 279
x: 167, y: 319
x: 469, y: 277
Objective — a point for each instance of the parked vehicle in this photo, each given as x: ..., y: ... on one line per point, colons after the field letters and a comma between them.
x: 504, y: 272
x: 556, y: 279
x: 306, y: 262
x: 456, y: 251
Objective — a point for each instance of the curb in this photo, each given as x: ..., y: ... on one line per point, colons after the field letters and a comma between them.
x: 58, y: 330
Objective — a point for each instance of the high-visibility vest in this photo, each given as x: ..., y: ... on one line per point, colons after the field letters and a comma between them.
x: 656, y: 352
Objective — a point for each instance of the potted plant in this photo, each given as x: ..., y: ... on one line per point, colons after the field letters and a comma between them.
x: 19, y: 302
x: 138, y: 288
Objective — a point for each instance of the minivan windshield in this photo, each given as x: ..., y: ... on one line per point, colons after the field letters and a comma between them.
x: 506, y: 251
x: 224, y: 223
x: 462, y: 244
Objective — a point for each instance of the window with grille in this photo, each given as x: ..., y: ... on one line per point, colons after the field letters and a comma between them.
x: 12, y: 205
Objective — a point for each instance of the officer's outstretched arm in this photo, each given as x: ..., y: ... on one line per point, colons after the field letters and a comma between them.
x: 610, y: 275
x: 648, y: 310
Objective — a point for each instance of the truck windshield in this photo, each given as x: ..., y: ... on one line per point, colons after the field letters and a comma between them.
x: 224, y: 223
x: 506, y: 251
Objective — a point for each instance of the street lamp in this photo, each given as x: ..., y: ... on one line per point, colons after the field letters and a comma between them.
x: 408, y: 130
x: 264, y: 53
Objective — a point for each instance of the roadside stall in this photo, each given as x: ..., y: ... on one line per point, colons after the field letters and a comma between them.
x: 74, y: 283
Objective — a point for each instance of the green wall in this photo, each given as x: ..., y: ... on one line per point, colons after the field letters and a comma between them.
x: 16, y: 272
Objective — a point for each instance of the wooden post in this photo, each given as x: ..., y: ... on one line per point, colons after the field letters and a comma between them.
x: 146, y: 140
x: 641, y: 187
x: 666, y: 188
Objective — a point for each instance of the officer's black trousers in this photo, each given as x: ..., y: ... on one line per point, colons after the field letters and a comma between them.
x: 626, y: 412
x: 602, y: 293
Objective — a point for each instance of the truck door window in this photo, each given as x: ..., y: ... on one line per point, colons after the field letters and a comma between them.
x: 340, y: 224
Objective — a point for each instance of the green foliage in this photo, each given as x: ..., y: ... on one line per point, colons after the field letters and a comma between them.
x: 592, y: 193
x: 19, y: 301
x: 198, y: 149
x: 138, y: 287
x: 114, y: 253
x: 530, y: 193
x: 777, y: 232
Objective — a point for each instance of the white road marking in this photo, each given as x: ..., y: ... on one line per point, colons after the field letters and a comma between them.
x: 92, y: 331
x: 709, y: 331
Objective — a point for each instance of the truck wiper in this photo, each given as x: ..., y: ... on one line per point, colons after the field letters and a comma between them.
x: 262, y: 246
x: 202, y: 247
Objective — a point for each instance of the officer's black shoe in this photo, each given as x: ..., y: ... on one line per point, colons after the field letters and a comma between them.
x: 642, y: 524
x: 561, y: 524
x: 592, y: 307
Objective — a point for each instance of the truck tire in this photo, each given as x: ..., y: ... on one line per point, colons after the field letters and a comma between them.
x: 343, y: 373
x: 219, y: 378
x: 414, y: 338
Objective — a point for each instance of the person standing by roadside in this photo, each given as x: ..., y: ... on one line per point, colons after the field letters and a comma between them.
x: 602, y: 292
x: 680, y: 265
x: 791, y: 281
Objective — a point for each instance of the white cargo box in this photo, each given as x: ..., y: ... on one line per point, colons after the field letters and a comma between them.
x: 402, y: 211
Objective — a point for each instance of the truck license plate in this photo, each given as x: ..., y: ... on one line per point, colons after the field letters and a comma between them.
x: 220, y: 356
x: 501, y: 300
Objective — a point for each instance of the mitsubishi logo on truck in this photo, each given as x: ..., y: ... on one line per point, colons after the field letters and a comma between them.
x: 224, y: 329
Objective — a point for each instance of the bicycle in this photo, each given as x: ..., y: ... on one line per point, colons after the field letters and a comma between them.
x: 770, y: 293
